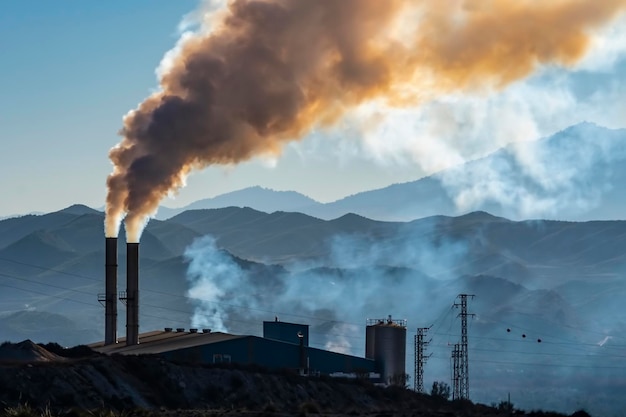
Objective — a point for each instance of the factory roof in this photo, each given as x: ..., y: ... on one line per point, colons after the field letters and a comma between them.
x: 285, y: 322
x: 160, y: 341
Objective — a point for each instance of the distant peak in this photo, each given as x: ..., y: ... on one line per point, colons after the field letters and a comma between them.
x: 480, y: 216
x: 351, y: 216
x: 584, y: 125
x: 78, y: 209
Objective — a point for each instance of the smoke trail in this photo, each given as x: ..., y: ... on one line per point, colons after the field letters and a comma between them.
x: 214, y: 276
x: 558, y: 177
x: 264, y: 72
x: 362, y: 277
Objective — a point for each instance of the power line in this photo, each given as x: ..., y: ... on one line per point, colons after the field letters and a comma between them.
x: 186, y: 297
x: 543, y: 364
x: 435, y: 325
x: 145, y: 304
x: 438, y: 323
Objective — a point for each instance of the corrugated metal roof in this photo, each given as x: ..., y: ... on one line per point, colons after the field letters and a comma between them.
x: 161, y: 341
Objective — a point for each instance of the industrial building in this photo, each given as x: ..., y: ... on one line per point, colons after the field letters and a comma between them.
x: 283, y: 345
x: 279, y: 348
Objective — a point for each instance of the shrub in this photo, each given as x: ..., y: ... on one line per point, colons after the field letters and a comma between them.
x: 440, y: 390
x: 20, y: 410
x: 80, y: 351
x: 506, y: 406
x: 400, y: 380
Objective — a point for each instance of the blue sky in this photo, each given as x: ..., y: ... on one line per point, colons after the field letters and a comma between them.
x: 70, y: 70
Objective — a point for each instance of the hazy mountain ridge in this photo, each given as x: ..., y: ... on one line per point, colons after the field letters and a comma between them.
x: 259, y: 198
x: 597, y: 153
x: 535, y: 254
x: 577, y: 173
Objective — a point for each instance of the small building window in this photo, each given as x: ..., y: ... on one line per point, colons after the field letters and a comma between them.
x: 221, y: 358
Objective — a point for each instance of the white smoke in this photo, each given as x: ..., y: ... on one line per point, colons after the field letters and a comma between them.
x: 359, y: 279
x: 609, y: 47
x: 454, y: 129
x: 214, y: 277
x: 343, y: 335
x: 557, y: 178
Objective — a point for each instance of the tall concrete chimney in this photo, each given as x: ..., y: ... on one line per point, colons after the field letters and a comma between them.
x: 110, y: 306
x: 132, y: 294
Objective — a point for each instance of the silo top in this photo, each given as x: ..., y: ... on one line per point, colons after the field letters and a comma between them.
x: 387, y: 322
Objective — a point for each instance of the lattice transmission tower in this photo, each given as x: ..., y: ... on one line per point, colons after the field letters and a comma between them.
x: 456, y: 371
x: 462, y: 374
x: 420, y: 358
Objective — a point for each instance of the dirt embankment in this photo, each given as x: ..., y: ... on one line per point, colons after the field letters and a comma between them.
x: 165, y: 388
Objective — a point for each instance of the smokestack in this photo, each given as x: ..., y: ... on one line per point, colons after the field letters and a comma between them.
x: 110, y: 314
x: 132, y: 294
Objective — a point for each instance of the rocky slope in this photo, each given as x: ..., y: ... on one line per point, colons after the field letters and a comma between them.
x: 156, y: 386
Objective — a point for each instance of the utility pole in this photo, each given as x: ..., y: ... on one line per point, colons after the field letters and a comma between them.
x: 463, y: 357
x: 420, y: 358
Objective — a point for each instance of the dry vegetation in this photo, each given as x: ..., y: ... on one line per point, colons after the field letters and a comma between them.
x: 94, y: 385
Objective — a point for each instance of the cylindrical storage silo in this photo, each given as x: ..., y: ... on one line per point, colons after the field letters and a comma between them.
x: 385, y: 342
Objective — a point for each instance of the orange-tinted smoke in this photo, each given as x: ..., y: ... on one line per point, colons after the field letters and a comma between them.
x: 271, y: 70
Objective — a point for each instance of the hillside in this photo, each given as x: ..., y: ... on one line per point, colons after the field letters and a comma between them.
x: 56, y: 259
x: 575, y: 174
x: 258, y: 198
x: 557, y: 281
x: 154, y: 386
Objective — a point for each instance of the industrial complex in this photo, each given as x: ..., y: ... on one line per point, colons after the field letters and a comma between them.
x: 282, y: 346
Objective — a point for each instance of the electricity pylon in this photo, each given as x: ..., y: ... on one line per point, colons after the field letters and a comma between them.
x: 420, y: 358
x: 463, y: 365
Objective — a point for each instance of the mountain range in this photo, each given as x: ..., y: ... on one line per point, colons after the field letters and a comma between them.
x: 575, y: 174
x: 558, y: 281
x: 548, y: 293
x: 64, y: 249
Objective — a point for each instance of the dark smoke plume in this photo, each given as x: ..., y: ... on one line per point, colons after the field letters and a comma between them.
x: 269, y: 71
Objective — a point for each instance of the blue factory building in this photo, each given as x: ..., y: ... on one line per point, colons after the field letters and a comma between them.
x: 286, y: 332
x: 283, y: 346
